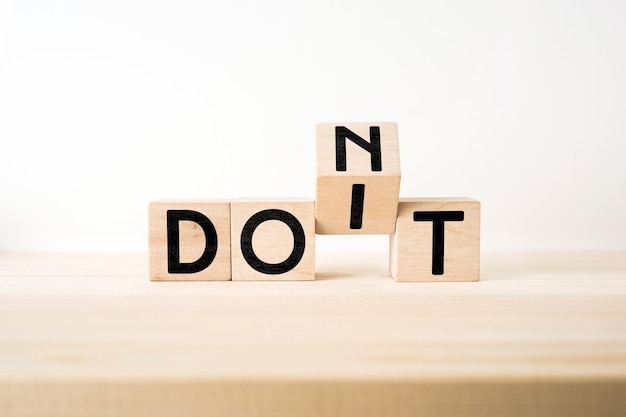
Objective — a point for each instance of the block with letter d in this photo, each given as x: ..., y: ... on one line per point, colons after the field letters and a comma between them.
x: 189, y: 240
x: 358, y: 178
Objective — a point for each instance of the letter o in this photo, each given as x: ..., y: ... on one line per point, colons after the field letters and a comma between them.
x: 299, y: 241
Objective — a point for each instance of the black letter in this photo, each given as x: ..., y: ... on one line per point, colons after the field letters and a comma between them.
x: 356, y: 210
x: 438, y: 218
x: 298, y: 241
x: 174, y: 266
x: 373, y: 146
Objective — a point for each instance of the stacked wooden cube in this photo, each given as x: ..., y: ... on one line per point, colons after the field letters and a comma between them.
x: 358, y: 187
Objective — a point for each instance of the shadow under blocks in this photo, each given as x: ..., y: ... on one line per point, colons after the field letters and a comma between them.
x: 357, y: 192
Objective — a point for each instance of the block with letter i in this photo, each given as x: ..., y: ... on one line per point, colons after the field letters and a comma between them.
x: 189, y: 240
x: 436, y: 239
x: 273, y: 239
x: 358, y: 178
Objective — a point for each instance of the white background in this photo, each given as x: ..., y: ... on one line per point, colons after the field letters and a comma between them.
x: 107, y: 105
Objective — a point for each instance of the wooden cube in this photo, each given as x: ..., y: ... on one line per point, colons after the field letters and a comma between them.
x: 273, y: 239
x: 436, y: 239
x: 358, y: 178
x: 189, y: 240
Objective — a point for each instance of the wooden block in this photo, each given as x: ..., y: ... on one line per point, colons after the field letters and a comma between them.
x: 273, y: 239
x: 358, y: 178
x: 436, y: 239
x: 189, y: 240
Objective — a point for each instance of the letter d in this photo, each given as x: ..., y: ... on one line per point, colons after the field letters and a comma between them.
x: 174, y: 266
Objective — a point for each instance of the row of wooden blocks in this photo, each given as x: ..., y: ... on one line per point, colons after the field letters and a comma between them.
x: 358, y: 184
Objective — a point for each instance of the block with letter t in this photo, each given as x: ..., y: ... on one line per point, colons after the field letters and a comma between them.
x: 436, y: 239
x: 358, y: 178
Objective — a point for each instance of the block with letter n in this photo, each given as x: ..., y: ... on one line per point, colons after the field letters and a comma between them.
x: 358, y: 178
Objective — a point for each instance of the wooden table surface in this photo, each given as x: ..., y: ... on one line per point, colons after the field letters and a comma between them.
x: 542, y: 334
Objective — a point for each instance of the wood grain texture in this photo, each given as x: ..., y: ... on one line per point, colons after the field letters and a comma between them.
x: 413, y: 242
x: 334, y: 200
x: 542, y: 334
x: 273, y: 242
x: 192, y: 240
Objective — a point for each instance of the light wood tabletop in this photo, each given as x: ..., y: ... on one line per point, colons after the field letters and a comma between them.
x: 542, y: 334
